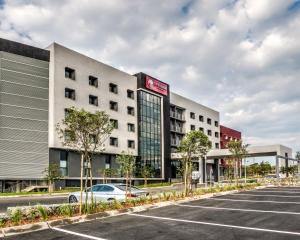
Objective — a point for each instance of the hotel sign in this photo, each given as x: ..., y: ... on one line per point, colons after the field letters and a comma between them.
x: 156, y: 86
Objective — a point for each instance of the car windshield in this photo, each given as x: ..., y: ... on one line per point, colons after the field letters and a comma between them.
x: 123, y: 188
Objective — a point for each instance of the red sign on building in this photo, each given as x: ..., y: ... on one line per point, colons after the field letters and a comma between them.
x: 156, y: 86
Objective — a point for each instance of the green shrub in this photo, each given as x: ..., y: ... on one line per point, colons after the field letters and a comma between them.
x: 65, y: 210
x: 2, y: 222
x: 102, y: 206
x: 115, y: 204
x: 16, y: 216
x: 33, y: 214
x: 43, y: 213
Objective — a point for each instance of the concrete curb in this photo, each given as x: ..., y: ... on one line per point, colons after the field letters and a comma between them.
x: 10, y: 231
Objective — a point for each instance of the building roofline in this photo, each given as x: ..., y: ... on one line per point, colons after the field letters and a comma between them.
x: 24, y: 50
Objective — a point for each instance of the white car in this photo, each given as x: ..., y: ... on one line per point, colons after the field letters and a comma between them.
x: 108, y: 192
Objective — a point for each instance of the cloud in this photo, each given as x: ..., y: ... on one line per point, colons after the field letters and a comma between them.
x: 240, y: 57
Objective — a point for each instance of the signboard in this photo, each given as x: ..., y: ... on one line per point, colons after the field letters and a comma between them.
x: 156, y: 86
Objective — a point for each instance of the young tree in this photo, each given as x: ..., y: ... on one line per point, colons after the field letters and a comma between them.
x: 107, y: 173
x: 147, y: 172
x: 52, y: 174
x: 264, y: 168
x: 194, y: 144
x: 238, y: 151
x: 127, y: 163
x: 85, y: 132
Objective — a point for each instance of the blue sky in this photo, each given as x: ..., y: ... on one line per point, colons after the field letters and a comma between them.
x: 240, y: 57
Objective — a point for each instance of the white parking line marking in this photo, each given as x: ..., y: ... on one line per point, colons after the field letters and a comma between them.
x: 237, y: 209
x: 275, y: 191
x: 215, y: 224
x: 254, y: 201
x: 265, y: 195
x: 77, y: 234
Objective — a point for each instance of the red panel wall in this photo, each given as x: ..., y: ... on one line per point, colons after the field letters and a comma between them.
x: 228, y: 134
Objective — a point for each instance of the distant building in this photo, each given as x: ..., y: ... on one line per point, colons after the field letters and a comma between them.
x: 227, y: 134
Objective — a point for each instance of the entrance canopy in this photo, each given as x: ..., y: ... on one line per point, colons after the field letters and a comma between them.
x: 255, y: 151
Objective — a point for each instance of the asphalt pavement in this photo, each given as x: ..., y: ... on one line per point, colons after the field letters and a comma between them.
x: 29, y: 201
x: 272, y: 213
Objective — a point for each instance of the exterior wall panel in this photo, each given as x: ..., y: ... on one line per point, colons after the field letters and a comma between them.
x: 24, y: 95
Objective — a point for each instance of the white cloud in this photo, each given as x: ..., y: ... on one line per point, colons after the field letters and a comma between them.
x: 240, y: 57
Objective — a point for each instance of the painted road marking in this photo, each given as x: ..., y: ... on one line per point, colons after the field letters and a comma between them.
x: 77, y: 234
x: 271, y: 191
x: 265, y: 195
x: 238, y: 209
x: 244, y: 200
x: 215, y: 224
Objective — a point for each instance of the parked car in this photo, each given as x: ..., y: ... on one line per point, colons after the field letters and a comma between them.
x: 108, y: 192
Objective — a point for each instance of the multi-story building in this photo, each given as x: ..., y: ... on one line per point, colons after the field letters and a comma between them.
x: 39, y: 86
x: 227, y: 134
x: 187, y: 115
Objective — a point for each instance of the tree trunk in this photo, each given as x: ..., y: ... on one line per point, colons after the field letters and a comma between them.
x: 126, y: 187
x: 91, y: 181
x: 145, y: 182
x: 86, y: 183
x: 81, y: 184
x: 51, y: 186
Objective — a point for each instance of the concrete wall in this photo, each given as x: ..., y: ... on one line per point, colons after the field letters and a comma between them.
x: 84, y: 66
x: 198, y: 109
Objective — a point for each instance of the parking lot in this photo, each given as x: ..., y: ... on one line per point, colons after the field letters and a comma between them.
x: 270, y: 213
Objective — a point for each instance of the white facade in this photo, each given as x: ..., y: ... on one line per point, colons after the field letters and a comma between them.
x: 189, y: 107
x: 84, y: 67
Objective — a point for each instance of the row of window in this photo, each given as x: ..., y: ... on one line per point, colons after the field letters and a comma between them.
x: 209, y: 132
x: 113, y: 141
x: 130, y: 126
x: 93, y: 100
x: 93, y: 81
x: 201, y: 119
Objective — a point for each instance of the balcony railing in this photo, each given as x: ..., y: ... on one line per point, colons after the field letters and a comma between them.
x: 176, y: 115
x: 177, y: 129
x: 175, y: 142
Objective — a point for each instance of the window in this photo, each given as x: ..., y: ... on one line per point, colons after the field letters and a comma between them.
x: 70, y: 93
x: 209, y: 121
x: 201, y: 129
x: 63, y: 163
x: 216, y: 123
x: 216, y: 134
x: 192, y: 115
x: 193, y: 127
x: 130, y: 144
x: 130, y: 94
x: 67, y: 112
x: 108, y: 161
x: 217, y: 145
x: 93, y: 81
x: 130, y: 127
x: 201, y: 118
x: 209, y: 132
x: 113, y: 106
x: 68, y: 136
x: 93, y: 100
x: 130, y: 110
x: 70, y: 73
x: 113, y: 141
x: 114, y: 122
x: 93, y: 138
x: 113, y: 88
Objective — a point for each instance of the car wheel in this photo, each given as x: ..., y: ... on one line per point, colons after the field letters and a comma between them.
x: 72, y: 199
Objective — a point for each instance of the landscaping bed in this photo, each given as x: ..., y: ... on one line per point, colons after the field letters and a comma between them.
x: 32, y: 214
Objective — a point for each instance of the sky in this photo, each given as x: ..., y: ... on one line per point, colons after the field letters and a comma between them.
x: 240, y: 57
